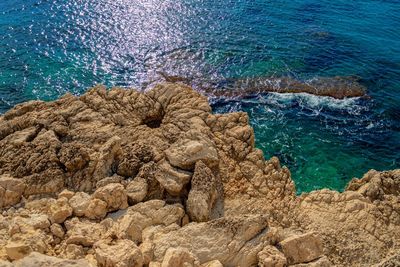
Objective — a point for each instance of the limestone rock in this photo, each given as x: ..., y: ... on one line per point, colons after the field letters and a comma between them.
x: 79, y: 203
x: 143, y: 215
x: 5, y: 264
x: 270, y: 256
x: 66, y: 193
x: 114, y: 195
x: 121, y: 253
x: 153, y: 143
x: 11, y: 190
x: 179, y: 257
x: 214, y: 263
x: 186, y: 152
x: 17, y: 250
x: 232, y: 241
x: 97, y: 209
x: 203, y: 193
x: 38, y: 221
x: 302, y: 248
x: 60, y: 210
x: 57, y: 230
x: 171, y: 178
x: 39, y: 260
x: 321, y: 262
x: 85, y: 233
x: 136, y: 190
x: 115, y: 179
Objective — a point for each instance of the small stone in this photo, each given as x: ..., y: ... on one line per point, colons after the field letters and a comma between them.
x: 17, y: 250
x: 79, y: 203
x: 186, y: 152
x: 57, y: 230
x: 60, y: 210
x: 39, y: 260
x: 5, y: 264
x: 39, y: 221
x: 97, y: 209
x: 137, y: 190
x: 270, y: 256
x: 179, y: 257
x: 73, y: 251
x: 114, y: 195
x: 116, y: 179
x: 11, y: 190
x: 66, y: 193
x: 118, y: 253
x: 214, y: 263
x: 321, y: 262
x: 172, y: 179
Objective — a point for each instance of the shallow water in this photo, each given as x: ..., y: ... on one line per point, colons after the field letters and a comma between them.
x: 48, y: 48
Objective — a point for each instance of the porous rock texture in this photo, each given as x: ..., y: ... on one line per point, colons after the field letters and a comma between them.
x: 122, y: 178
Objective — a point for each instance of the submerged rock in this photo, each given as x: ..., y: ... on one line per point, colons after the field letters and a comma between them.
x: 122, y: 178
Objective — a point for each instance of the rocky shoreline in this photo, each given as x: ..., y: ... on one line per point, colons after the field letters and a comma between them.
x: 122, y: 178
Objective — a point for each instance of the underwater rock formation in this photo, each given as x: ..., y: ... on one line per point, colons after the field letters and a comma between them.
x: 122, y: 178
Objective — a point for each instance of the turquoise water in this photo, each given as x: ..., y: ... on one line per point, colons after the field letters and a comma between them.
x: 48, y: 48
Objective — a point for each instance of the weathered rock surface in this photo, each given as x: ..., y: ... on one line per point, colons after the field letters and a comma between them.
x: 122, y: 178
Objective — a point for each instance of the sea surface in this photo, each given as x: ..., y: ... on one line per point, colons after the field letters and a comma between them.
x: 50, y: 47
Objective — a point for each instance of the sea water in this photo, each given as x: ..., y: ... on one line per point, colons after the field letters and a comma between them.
x: 50, y: 47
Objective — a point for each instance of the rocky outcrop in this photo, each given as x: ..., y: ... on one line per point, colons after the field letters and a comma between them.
x: 122, y: 178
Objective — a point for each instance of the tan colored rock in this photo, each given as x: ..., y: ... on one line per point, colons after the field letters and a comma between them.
x: 57, y: 230
x: 107, y: 155
x: 39, y: 221
x: 179, y: 257
x: 270, y: 256
x: 97, y: 209
x: 136, y: 190
x: 171, y: 178
x: 115, y: 179
x: 83, y: 233
x: 114, y: 195
x: 60, y: 210
x: 80, y: 203
x: 119, y: 253
x: 17, y: 250
x: 5, y: 264
x: 321, y: 262
x: 214, y: 263
x: 11, y: 190
x: 302, y: 248
x: 143, y: 215
x: 73, y: 252
x: 232, y: 241
x: 186, y: 152
x: 66, y: 193
x: 203, y: 193
x: 39, y: 260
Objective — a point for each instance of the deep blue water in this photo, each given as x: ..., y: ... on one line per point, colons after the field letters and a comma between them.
x: 48, y: 48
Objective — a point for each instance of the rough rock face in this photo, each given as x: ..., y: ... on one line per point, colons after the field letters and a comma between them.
x: 122, y: 178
